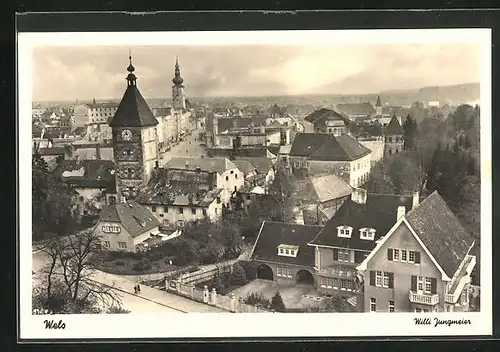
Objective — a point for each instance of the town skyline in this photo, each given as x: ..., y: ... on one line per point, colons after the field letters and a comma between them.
x: 87, y: 72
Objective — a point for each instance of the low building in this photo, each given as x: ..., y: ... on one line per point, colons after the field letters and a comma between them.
x: 92, y: 180
x: 282, y: 254
x: 320, y: 154
x: 422, y: 264
x: 125, y: 226
x: 327, y: 121
x: 319, y: 197
x: 175, y: 204
x: 218, y: 173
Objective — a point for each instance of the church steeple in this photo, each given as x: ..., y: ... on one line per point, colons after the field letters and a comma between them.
x: 177, y: 73
x: 378, y: 101
x: 131, y: 77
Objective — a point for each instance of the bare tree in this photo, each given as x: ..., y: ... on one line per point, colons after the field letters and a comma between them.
x: 67, y: 284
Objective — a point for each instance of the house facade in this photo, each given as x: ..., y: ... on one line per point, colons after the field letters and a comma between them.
x: 423, y: 264
x: 393, y: 137
x: 327, y: 121
x: 122, y: 227
x: 320, y: 154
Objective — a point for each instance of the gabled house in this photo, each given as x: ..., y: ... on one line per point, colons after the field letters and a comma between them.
x: 221, y: 173
x: 282, y: 254
x: 320, y: 197
x: 422, y: 264
x: 124, y: 226
x: 327, y: 121
x: 350, y: 236
x: 320, y: 154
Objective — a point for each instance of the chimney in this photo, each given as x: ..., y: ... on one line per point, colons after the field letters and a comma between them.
x: 401, y: 212
x: 359, y: 195
x: 97, y: 152
x: 416, y: 199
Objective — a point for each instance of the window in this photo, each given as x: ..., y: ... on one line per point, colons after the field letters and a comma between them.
x: 287, y: 251
x: 373, y: 304
x: 426, y: 311
x: 367, y: 234
x: 411, y: 257
x: 344, y: 256
x: 418, y: 310
x: 378, y: 279
x: 218, y: 200
x: 111, y: 228
x: 235, y: 175
x: 428, y: 285
x: 107, y: 244
x: 153, y: 209
x: 281, y: 251
x: 404, y: 255
x: 180, y: 223
x: 166, y: 209
x: 232, y: 172
x: 344, y: 231
x: 227, y: 178
x: 391, y: 306
x: 385, y: 283
x: 284, y: 271
x: 420, y: 283
x: 395, y: 255
x: 464, y: 298
x: 204, y: 212
x: 181, y: 210
x: 122, y: 245
x: 193, y: 211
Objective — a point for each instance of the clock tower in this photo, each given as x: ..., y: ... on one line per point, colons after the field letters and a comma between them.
x: 135, y: 140
x: 178, y: 95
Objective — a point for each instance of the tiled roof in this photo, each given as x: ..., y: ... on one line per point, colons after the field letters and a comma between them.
x: 394, y: 127
x: 216, y: 164
x: 133, y: 111
x: 356, y: 109
x: 244, y: 165
x: 96, y: 173
x: 441, y: 232
x: 322, y: 114
x: 178, y: 194
x: 324, y: 147
x: 51, y: 151
x: 133, y: 216
x: 90, y: 153
x: 109, y: 105
x: 330, y: 187
x: 379, y: 213
x: 272, y: 234
x: 261, y: 164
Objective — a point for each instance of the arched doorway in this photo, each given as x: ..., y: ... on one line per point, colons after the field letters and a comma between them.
x: 305, y: 277
x: 265, y: 272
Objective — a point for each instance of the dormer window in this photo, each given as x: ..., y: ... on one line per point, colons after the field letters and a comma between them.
x: 367, y: 234
x: 344, y: 231
x: 285, y: 250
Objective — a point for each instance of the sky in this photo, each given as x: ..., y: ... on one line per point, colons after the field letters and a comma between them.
x: 70, y: 73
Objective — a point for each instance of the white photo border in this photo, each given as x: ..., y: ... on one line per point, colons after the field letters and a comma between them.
x: 264, y: 325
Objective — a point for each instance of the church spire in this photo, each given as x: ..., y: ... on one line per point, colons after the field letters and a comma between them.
x: 131, y: 78
x: 378, y: 101
x: 177, y: 73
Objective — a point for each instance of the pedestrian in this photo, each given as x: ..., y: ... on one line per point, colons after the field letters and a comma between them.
x: 135, y: 289
x: 138, y: 288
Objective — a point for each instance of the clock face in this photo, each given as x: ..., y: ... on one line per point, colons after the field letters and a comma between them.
x: 126, y: 135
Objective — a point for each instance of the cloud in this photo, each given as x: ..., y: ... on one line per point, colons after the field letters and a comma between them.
x: 67, y: 73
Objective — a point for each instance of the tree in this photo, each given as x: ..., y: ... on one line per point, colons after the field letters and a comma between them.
x: 379, y: 182
x: 65, y: 284
x: 409, y: 133
x: 405, y: 173
x: 238, y: 276
x: 277, y: 303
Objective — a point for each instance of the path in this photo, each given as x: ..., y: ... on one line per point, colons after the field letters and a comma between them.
x: 189, y: 147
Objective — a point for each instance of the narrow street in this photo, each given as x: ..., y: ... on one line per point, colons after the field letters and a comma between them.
x: 149, y: 300
x: 189, y: 147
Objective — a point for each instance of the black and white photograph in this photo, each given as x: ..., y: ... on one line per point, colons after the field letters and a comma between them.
x: 330, y: 173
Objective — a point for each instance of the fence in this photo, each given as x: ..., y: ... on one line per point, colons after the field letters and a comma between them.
x: 207, y: 273
x: 230, y: 303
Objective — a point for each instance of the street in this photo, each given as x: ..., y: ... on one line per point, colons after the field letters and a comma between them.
x: 189, y: 147
x: 149, y: 300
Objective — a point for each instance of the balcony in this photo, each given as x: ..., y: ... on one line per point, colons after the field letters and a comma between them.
x: 461, y: 280
x: 424, y: 298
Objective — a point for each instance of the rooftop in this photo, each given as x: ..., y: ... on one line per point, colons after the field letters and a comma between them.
x: 323, y: 114
x: 178, y: 194
x: 356, y: 109
x: 133, y: 111
x: 274, y: 234
x: 325, y: 147
x: 394, y: 127
x: 215, y: 164
x: 133, y: 216
x: 87, y: 173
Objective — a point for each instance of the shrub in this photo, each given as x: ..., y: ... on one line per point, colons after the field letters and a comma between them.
x: 257, y: 299
x: 142, y: 265
x: 117, y: 310
x: 120, y: 262
x: 277, y: 303
x: 154, y: 256
x: 238, y: 276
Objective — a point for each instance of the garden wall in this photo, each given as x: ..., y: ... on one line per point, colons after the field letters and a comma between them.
x: 207, y: 273
x: 229, y: 303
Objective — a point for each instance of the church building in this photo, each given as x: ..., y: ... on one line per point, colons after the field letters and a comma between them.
x: 135, y: 140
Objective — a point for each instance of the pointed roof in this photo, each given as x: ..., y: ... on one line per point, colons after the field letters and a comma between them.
x: 133, y: 111
x: 378, y: 101
x: 394, y: 127
x: 441, y: 232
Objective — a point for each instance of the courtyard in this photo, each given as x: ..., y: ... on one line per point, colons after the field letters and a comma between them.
x: 295, y: 296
